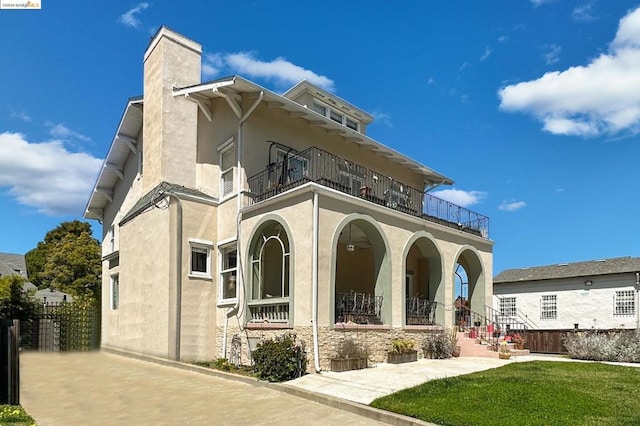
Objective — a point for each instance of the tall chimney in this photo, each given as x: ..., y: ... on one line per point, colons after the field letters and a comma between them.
x: 170, y: 123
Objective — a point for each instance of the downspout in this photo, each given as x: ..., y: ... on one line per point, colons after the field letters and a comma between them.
x: 239, y: 275
x: 314, y: 282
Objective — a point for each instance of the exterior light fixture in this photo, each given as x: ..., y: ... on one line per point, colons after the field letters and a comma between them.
x: 588, y: 283
x: 350, y: 247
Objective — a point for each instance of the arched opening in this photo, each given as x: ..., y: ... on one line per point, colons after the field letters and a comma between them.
x: 270, y: 263
x: 362, y: 275
x: 424, y: 295
x: 469, y: 290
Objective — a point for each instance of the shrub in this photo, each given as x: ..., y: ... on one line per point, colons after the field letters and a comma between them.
x: 623, y: 346
x: 280, y: 359
x: 440, y: 343
x: 402, y: 346
x: 351, y: 349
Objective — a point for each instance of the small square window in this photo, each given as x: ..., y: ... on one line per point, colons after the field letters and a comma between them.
x: 320, y: 109
x: 508, y: 307
x: 352, y: 124
x: 336, y: 116
x: 200, y: 260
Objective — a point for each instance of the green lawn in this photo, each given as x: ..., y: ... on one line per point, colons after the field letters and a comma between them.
x: 531, y: 393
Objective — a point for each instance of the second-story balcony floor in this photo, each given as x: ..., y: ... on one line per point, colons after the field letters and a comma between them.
x: 324, y: 168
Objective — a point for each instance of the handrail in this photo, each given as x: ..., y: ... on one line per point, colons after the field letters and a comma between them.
x: 327, y: 169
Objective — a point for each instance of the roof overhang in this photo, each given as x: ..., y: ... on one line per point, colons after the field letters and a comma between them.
x: 124, y: 143
x: 235, y: 87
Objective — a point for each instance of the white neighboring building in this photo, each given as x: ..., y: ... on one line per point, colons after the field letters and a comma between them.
x: 599, y: 294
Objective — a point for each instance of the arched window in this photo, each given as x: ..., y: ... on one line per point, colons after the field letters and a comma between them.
x: 270, y: 272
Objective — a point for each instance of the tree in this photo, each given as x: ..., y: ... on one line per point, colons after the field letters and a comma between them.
x: 15, y: 302
x: 69, y: 259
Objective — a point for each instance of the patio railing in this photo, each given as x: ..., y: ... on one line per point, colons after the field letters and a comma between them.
x: 358, y: 308
x: 420, y: 311
x: 324, y: 168
x: 273, y: 312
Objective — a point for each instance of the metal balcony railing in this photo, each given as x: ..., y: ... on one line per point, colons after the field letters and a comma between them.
x: 358, y: 308
x: 324, y: 168
x: 420, y: 311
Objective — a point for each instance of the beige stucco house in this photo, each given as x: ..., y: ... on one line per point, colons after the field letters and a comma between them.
x: 230, y: 210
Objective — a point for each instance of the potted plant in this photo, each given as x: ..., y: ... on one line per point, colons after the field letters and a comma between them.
x: 437, y: 345
x: 519, y: 341
x: 402, y: 350
x: 504, y: 352
x: 350, y: 356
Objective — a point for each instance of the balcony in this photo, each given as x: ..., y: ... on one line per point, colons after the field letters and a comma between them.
x: 324, y: 168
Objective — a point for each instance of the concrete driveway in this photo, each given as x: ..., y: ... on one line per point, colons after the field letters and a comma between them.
x: 100, y: 388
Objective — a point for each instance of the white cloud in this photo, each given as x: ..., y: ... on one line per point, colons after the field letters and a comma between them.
x: 486, y: 54
x: 460, y: 197
x: 245, y: 63
x: 602, y: 97
x: 21, y: 115
x: 382, y: 117
x: 512, y: 205
x: 45, y: 175
x: 583, y: 13
x: 552, y: 54
x: 537, y: 3
x: 61, y: 131
x: 130, y: 19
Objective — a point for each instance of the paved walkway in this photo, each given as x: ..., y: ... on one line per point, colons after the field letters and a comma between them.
x: 100, y: 388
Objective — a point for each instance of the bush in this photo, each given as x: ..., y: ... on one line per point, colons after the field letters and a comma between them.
x: 350, y: 349
x: 440, y: 343
x: 402, y: 346
x: 280, y: 359
x: 623, y: 346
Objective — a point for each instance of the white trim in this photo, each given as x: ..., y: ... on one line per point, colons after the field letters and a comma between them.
x: 226, y: 242
x: 222, y: 251
x: 201, y: 242
x: 202, y: 245
x: 224, y: 145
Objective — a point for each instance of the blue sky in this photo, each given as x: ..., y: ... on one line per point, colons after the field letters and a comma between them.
x: 532, y: 107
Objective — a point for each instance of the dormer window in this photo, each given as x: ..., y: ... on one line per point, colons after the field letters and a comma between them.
x: 335, y: 115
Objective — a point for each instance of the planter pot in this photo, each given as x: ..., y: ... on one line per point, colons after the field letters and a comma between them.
x: 504, y: 355
x: 394, y: 358
x: 519, y: 346
x: 456, y: 351
x: 346, y: 364
x: 429, y: 354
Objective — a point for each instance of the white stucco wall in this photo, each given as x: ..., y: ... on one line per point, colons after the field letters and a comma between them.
x: 588, y: 306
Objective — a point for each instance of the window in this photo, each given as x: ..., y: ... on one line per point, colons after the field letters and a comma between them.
x: 335, y: 115
x: 624, y: 303
x: 270, y: 274
x: 115, y: 291
x: 200, y: 258
x: 140, y: 159
x: 549, y: 307
x: 227, y: 160
x: 228, y: 273
x: 296, y: 168
x: 320, y: 109
x: 112, y: 240
x: 508, y: 307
